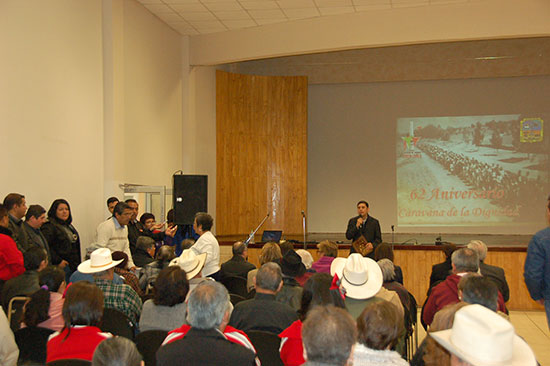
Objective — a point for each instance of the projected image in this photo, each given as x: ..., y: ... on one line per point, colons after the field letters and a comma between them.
x: 471, y: 170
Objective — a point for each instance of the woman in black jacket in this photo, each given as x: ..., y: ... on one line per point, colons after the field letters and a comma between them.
x: 62, y: 237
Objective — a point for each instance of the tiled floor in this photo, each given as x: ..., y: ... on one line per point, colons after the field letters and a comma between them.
x: 532, y: 326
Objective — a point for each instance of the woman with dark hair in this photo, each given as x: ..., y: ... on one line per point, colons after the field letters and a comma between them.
x: 164, y: 256
x: 384, y: 251
x: 121, y: 269
x: 316, y: 292
x: 379, y: 327
x: 82, y: 312
x: 62, y: 237
x: 167, y: 310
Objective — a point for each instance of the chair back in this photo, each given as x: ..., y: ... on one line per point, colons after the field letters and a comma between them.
x: 32, y: 342
x: 235, y: 285
x: 117, y: 323
x: 148, y: 343
x: 267, y: 346
x: 15, y: 311
x: 70, y: 362
x: 235, y: 299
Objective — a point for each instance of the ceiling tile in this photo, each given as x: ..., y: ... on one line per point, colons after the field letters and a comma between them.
x: 259, y: 5
x: 158, y: 8
x: 170, y: 17
x: 198, y: 16
x: 181, y: 1
x: 183, y: 25
x: 150, y: 1
x: 372, y: 7
x: 206, y: 24
x: 301, y: 13
x: 182, y: 8
x: 296, y: 4
x: 332, y: 3
x: 232, y: 15
x: 371, y: 2
x: 237, y: 24
x: 269, y: 21
x: 218, y: 1
x: 408, y: 3
x: 267, y: 14
x: 224, y: 6
x: 337, y: 10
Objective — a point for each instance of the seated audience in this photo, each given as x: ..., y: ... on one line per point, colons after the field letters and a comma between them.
x: 145, y: 251
x: 307, y: 261
x: 88, y: 277
x: 264, y: 312
x: 162, y: 260
x: 480, y: 337
x: 62, y: 236
x: 440, y: 271
x: 207, y: 243
x: 362, y: 279
x: 17, y: 208
x: 82, y: 312
x: 118, y: 297
x: 34, y: 219
x: 117, y: 351
x: 192, y: 265
x: 121, y: 269
x: 11, y: 259
x: 494, y: 273
x: 167, y: 309
x: 285, y: 246
x: 328, y: 334
x: 9, y: 352
x: 384, y: 251
x: 291, y: 267
x: 35, y: 260
x: 204, y: 343
x: 45, y: 306
x: 463, y: 261
x: 238, y: 264
x: 328, y: 250
x: 316, y: 292
x: 271, y: 252
x: 391, y: 284
x: 476, y: 289
x: 379, y: 328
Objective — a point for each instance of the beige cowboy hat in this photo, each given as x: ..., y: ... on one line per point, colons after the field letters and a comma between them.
x: 190, y: 262
x: 100, y: 260
x: 481, y: 337
x: 360, y: 276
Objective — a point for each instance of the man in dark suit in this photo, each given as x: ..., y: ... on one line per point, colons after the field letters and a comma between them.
x: 237, y: 265
x: 204, y: 344
x: 494, y: 273
x: 442, y: 270
x: 365, y: 225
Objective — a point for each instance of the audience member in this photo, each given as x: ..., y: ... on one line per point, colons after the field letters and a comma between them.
x: 119, y: 297
x: 137, y: 229
x: 183, y: 232
x: 9, y: 352
x: 384, y: 251
x: 264, y: 312
x: 316, y: 292
x: 11, y: 259
x: 480, y: 337
x: 45, y: 306
x: 34, y: 219
x: 476, y: 289
x: 193, y: 266
x: 270, y: 252
x: 167, y: 309
x: 62, y: 237
x: 307, y: 261
x: 379, y: 328
x: 388, y: 274
x: 149, y: 273
x: 442, y: 270
x: 122, y: 270
x: 117, y: 351
x: 113, y: 233
x: 238, y: 264
x: 285, y: 246
x: 88, y: 277
x: 291, y: 267
x: 204, y: 343
x: 327, y: 250
x: 111, y: 203
x: 362, y: 279
x: 494, y: 273
x: 207, y: 243
x: 328, y: 334
x: 17, y: 207
x: 145, y: 251
x: 82, y: 312
x: 35, y: 260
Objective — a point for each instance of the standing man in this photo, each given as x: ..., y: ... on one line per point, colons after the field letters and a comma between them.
x: 111, y: 203
x: 113, y: 233
x: 366, y: 226
x: 537, y: 266
x: 34, y: 219
x: 17, y: 207
x: 136, y: 228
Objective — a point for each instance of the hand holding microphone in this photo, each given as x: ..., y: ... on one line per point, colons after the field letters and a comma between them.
x: 360, y: 222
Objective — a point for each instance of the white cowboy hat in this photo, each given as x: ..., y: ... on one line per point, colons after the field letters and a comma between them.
x: 360, y: 276
x: 190, y: 262
x: 100, y: 260
x: 484, y: 338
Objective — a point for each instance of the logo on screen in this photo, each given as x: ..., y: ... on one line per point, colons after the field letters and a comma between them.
x: 531, y: 130
x: 409, y: 143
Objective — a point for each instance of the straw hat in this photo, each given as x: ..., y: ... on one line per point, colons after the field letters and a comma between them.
x: 360, y: 276
x: 100, y: 260
x: 190, y: 262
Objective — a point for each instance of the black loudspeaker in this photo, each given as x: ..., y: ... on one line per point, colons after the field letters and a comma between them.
x: 190, y: 194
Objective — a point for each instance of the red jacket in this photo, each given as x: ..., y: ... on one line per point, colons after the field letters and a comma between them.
x: 11, y: 259
x: 80, y: 343
x: 447, y: 293
x: 292, y: 349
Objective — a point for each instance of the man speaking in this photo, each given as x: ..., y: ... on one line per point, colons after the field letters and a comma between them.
x: 364, y: 231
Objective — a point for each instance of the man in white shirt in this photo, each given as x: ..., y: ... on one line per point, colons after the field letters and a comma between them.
x: 207, y: 243
x: 113, y: 233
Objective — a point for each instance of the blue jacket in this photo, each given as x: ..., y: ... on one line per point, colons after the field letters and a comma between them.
x: 537, y: 265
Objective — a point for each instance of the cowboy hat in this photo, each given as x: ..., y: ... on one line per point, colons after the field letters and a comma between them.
x: 481, y: 337
x: 190, y: 262
x: 291, y: 264
x: 360, y: 276
x: 100, y: 260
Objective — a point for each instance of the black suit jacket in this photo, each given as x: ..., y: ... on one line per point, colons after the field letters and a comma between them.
x: 204, y: 347
x: 496, y: 274
x: 370, y: 230
x: 440, y: 272
x: 236, y: 266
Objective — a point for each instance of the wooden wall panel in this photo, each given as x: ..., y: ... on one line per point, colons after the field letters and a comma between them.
x: 261, y: 152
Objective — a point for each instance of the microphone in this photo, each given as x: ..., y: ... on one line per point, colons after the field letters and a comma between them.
x: 392, y: 228
x: 303, y: 213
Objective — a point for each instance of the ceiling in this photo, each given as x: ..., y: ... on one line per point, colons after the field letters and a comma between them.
x: 191, y: 17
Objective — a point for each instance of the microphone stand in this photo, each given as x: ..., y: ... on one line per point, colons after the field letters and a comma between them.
x: 392, y: 236
x: 253, y: 232
x: 304, y: 228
